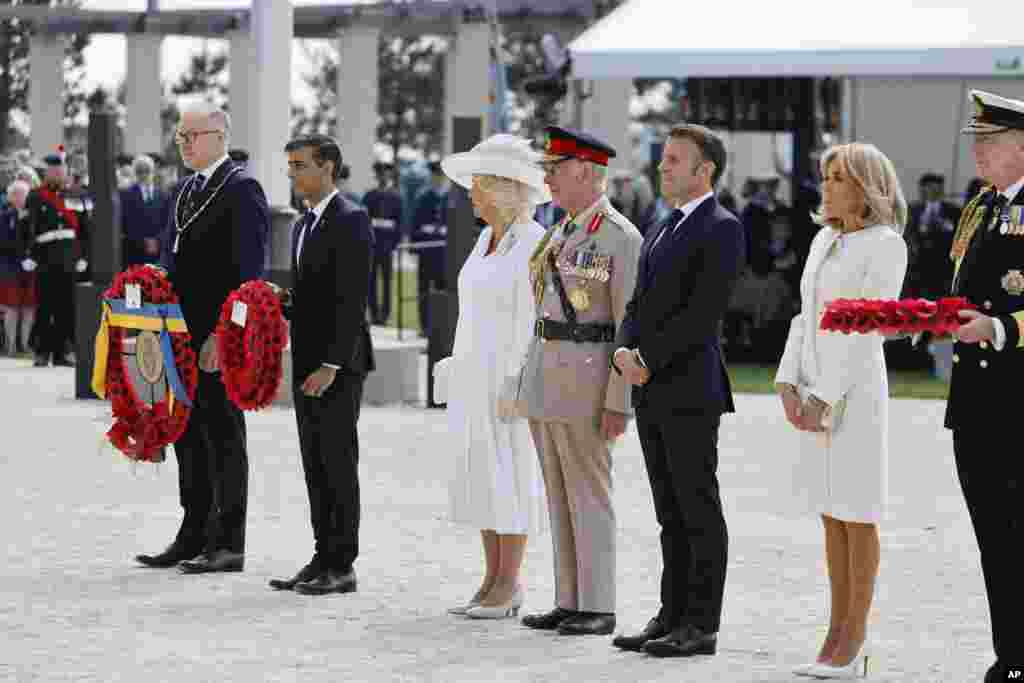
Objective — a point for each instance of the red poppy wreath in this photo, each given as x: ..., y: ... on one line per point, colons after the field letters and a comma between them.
x: 141, y: 299
x: 251, y: 336
x: 907, y: 316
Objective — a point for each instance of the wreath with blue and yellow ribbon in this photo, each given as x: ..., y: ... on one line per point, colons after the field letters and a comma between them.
x: 140, y: 430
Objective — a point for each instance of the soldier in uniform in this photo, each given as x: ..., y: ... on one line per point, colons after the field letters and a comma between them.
x: 384, y: 205
x: 583, y: 273
x: 988, y: 365
x: 53, y: 245
x: 430, y: 224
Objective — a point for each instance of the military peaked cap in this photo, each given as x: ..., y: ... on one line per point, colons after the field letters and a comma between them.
x: 564, y: 143
x: 994, y: 114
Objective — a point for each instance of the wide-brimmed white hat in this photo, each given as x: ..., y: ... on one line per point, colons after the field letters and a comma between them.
x: 503, y: 155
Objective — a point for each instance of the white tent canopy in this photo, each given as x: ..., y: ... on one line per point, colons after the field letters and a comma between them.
x: 674, y: 38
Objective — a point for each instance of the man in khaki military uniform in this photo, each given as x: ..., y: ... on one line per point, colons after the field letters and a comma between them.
x: 575, y: 406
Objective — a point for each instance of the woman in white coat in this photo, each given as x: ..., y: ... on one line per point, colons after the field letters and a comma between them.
x: 496, y: 484
x: 834, y: 387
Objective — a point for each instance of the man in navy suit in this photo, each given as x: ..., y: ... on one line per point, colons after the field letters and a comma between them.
x: 332, y: 254
x: 216, y: 240
x: 143, y: 215
x: 669, y: 351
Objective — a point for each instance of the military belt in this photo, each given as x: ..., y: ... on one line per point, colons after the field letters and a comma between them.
x: 555, y: 330
x: 53, y: 235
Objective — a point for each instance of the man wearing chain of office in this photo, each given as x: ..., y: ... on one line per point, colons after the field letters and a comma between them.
x: 988, y: 366
x: 216, y: 240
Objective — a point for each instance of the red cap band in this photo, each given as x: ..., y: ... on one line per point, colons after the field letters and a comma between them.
x: 568, y: 147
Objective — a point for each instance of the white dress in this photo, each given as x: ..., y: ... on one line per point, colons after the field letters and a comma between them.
x: 496, y: 482
x: 845, y: 474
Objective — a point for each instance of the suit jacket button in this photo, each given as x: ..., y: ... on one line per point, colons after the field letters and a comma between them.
x: 956, y: 358
x: 983, y: 363
x: 983, y: 344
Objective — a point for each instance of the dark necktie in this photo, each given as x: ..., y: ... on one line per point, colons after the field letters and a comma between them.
x: 666, y: 231
x: 307, y: 220
x: 194, y: 191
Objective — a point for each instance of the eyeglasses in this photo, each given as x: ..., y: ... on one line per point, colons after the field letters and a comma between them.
x: 190, y: 136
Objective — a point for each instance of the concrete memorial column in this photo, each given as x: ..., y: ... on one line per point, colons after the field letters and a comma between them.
x: 271, y: 102
x: 358, y: 102
x: 143, y: 94
x: 46, y: 92
x: 241, y: 76
x: 467, y: 77
x: 606, y: 116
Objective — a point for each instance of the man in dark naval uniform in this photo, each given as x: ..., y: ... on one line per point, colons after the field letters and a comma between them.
x: 430, y: 224
x: 54, y: 245
x: 384, y: 205
x: 216, y: 240
x: 988, y: 367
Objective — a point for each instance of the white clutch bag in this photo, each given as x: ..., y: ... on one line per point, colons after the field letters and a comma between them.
x: 442, y: 374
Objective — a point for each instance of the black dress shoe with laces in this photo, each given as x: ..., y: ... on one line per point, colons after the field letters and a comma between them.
x: 684, y: 641
x: 307, y: 573
x: 63, y: 362
x: 330, y: 581
x: 654, y: 629
x: 548, y: 621
x: 588, y: 624
x: 215, y: 561
x: 175, y: 553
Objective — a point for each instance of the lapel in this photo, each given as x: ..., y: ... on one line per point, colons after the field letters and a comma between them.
x: 817, y: 257
x: 974, y: 246
x: 318, y: 234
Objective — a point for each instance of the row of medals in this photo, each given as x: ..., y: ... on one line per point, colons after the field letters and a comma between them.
x: 1012, y: 221
x: 590, y: 267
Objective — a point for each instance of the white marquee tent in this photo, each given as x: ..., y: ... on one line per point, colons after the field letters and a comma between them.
x: 672, y: 38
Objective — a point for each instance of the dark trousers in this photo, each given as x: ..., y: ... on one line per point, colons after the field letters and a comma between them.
x: 380, y: 302
x: 429, y: 277
x: 213, y: 470
x: 330, y: 460
x: 681, y: 454
x: 55, y: 316
x: 992, y: 484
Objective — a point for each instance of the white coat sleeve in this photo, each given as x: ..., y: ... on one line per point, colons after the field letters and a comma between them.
x: 525, y: 313
x: 844, y: 356
x: 789, y: 366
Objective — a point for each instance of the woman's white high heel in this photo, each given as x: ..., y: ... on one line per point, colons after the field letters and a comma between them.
x: 461, y: 610
x: 857, y: 668
x: 503, y: 611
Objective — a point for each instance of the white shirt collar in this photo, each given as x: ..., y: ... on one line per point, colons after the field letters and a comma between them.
x: 1013, y: 190
x: 212, y: 168
x: 319, y: 209
x: 691, y: 206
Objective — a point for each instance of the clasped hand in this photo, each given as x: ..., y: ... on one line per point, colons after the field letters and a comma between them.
x: 805, y: 416
x: 319, y: 381
x: 634, y: 373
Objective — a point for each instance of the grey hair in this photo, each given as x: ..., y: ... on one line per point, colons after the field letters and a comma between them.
x: 143, y: 165
x: 876, y: 177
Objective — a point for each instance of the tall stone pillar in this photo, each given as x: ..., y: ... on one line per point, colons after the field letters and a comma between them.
x: 241, y: 75
x: 606, y: 116
x: 143, y: 94
x: 467, y: 77
x: 270, y: 114
x: 46, y: 92
x: 358, y: 102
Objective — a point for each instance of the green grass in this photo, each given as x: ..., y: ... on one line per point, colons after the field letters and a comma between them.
x: 760, y: 379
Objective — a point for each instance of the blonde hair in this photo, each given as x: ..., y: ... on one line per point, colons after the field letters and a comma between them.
x: 876, y: 177
x: 511, y: 198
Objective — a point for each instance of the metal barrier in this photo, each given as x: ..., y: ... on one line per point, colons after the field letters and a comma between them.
x: 402, y: 248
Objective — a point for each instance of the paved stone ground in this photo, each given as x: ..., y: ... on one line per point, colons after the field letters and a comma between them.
x: 73, y: 606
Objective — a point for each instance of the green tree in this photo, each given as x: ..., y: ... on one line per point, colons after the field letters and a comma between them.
x: 15, y: 48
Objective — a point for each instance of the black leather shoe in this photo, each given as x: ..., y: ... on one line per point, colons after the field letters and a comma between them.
x: 588, y: 624
x: 548, y: 621
x: 63, y: 362
x: 307, y: 573
x: 41, y: 360
x: 330, y: 581
x: 684, y: 641
x: 216, y: 561
x: 654, y: 629
x: 175, y: 553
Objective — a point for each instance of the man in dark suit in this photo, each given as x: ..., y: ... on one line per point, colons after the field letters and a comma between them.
x: 669, y: 351
x: 929, y: 237
x: 144, y: 214
x: 988, y: 366
x: 430, y: 224
x: 332, y: 253
x: 215, y: 241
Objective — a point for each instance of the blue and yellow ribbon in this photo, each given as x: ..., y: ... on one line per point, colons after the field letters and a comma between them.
x: 162, y: 318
